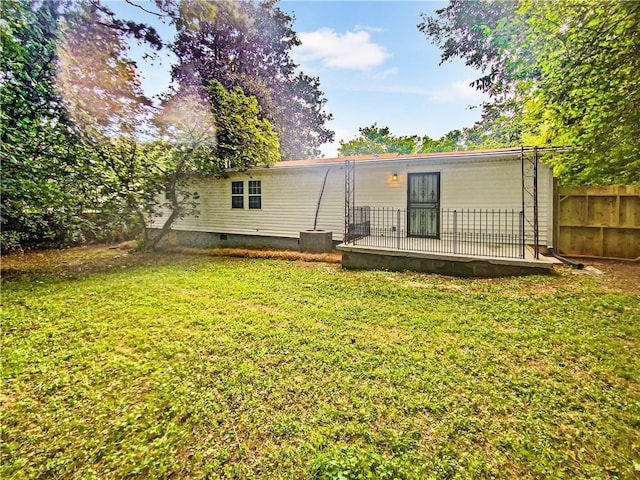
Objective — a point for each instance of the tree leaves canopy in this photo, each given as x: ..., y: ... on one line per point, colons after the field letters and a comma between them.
x: 376, y: 139
x: 78, y: 162
x: 380, y: 140
x: 559, y: 73
x: 207, y: 132
x: 247, y: 44
x: 37, y: 140
x: 100, y: 85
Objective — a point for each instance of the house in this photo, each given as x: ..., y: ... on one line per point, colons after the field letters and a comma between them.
x: 491, y: 207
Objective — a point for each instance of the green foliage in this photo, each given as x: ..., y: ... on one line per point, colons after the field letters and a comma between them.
x: 357, y: 464
x: 247, y: 44
x: 587, y: 95
x: 207, y: 133
x: 38, y: 143
x: 100, y: 85
x: 379, y: 140
x: 244, y: 139
x: 449, y: 142
x: 376, y: 139
x: 158, y: 366
x: 559, y: 73
x: 74, y: 166
x: 103, y: 96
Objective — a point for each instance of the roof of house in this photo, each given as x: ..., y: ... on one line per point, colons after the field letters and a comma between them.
x: 397, y: 156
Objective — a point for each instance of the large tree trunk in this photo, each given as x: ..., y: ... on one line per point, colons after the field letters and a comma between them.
x: 152, y: 241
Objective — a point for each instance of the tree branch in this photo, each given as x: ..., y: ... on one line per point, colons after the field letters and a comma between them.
x: 159, y: 15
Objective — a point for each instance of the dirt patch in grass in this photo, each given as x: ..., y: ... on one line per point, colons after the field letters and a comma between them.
x: 98, y: 258
x: 617, y: 274
x: 72, y: 260
x: 269, y: 253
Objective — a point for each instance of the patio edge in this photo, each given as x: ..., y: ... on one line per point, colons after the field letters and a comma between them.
x: 362, y: 258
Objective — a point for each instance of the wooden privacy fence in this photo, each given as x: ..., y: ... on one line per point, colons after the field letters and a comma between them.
x: 598, y: 221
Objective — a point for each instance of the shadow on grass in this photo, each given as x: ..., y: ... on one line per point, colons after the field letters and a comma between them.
x: 87, y: 260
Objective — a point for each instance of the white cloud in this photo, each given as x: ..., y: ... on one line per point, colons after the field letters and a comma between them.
x: 455, y: 91
x: 350, y: 50
x: 460, y: 90
x: 369, y: 29
x: 387, y: 73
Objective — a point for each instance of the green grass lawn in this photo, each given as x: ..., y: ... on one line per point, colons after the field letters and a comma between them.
x: 158, y: 366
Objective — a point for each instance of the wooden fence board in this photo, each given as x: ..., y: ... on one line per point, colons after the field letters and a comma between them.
x: 599, y: 221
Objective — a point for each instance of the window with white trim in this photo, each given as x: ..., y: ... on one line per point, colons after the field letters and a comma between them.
x: 237, y: 194
x: 255, y: 194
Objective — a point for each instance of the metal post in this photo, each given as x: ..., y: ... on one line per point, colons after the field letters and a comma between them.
x: 522, y: 178
x: 349, y: 197
x: 522, y: 239
x: 398, y: 229
x: 536, y: 234
x: 455, y: 231
x: 355, y: 234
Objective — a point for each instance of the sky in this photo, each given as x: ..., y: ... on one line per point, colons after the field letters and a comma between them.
x: 373, y: 63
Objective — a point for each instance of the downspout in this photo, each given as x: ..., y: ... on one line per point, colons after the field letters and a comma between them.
x: 324, y: 182
x: 576, y: 265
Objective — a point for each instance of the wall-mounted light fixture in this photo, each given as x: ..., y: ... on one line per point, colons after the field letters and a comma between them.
x: 394, y: 177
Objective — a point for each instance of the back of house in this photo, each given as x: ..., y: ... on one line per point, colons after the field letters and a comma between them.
x: 271, y: 206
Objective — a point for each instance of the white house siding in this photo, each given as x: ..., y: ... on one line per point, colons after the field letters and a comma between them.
x: 290, y: 193
x: 465, y: 182
x: 289, y: 200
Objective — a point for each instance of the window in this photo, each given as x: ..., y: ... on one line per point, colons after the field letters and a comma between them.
x: 254, y: 191
x: 255, y: 194
x: 237, y: 194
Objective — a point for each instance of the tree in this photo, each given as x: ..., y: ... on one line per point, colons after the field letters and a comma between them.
x: 247, y: 45
x: 100, y: 85
x: 376, y: 139
x: 78, y: 162
x: 449, y: 142
x: 207, y: 133
x: 559, y: 73
x: 379, y: 140
x: 587, y: 95
x: 72, y: 168
x: 37, y: 139
x: 103, y: 95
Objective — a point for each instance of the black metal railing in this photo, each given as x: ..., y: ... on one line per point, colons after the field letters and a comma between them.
x: 466, y: 231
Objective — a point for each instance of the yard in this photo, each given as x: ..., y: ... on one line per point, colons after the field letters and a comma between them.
x: 189, y: 366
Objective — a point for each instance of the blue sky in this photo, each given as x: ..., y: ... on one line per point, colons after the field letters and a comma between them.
x: 374, y: 67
